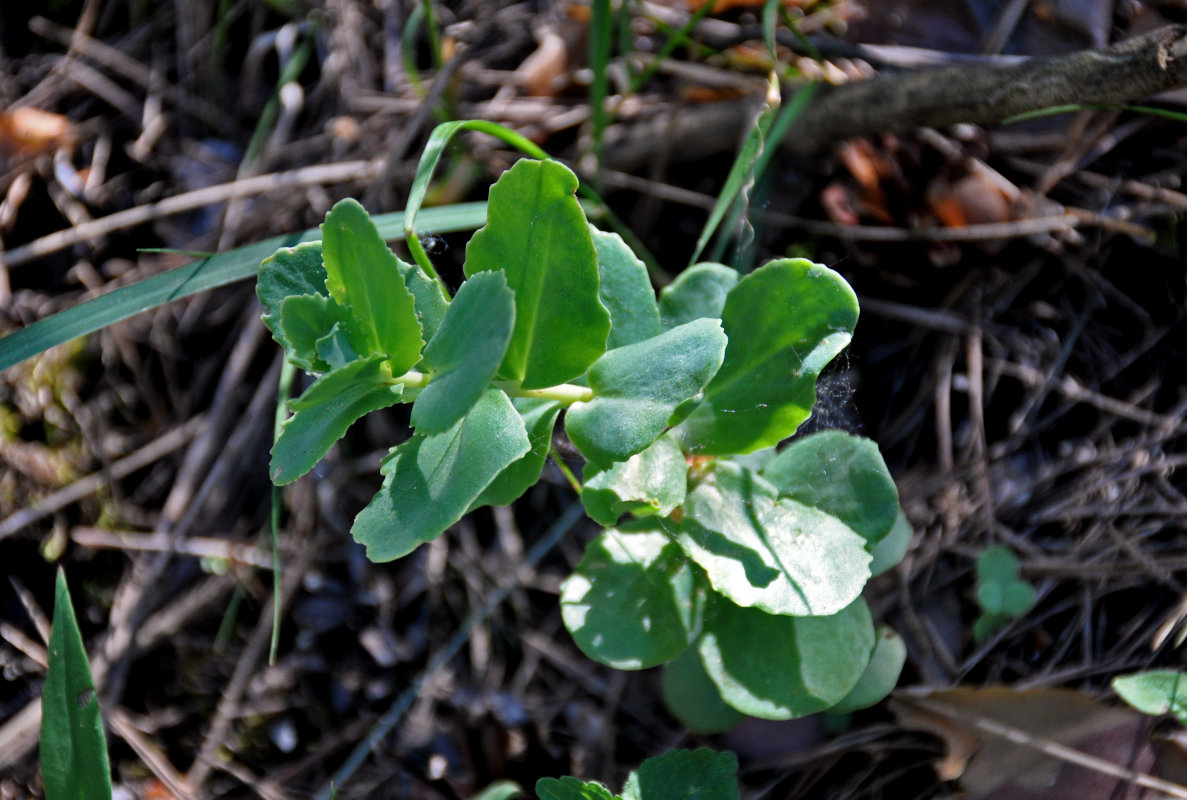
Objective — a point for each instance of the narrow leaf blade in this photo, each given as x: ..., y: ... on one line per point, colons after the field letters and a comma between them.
x: 74, y: 763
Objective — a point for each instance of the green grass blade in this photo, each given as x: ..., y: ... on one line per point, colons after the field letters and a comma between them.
x: 199, y: 276
x: 600, y: 43
x: 74, y: 762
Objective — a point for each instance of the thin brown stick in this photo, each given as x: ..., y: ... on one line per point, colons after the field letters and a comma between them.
x: 289, y: 179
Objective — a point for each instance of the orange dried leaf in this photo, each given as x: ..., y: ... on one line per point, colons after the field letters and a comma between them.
x: 28, y: 131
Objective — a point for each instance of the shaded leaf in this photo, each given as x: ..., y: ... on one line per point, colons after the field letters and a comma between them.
x: 430, y: 481
x: 335, y: 349
x: 428, y: 297
x: 539, y: 418
x: 639, y: 387
x: 325, y: 411
x: 625, y: 290
x: 362, y: 273
x: 74, y: 763
x: 308, y: 319
x: 880, y: 676
x: 774, y: 554
x: 693, y: 698
x: 654, y: 481
x: 699, y: 291
x: 842, y: 475
x: 785, y: 322
x: 780, y: 667
x: 536, y: 233
x: 570, y: 788
x: 288, y: 272
x: 630, y: 604
x: 700, y: 774
x: 890, y: 551
x: 465, y: 351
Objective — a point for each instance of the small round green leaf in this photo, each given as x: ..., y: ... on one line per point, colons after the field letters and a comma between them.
x: 697, y: 292
x: 774, y: 554
x: 780, y: 667
x: 625, y: 291
x: 997, y: 563
x: 1018, y: 598
x: 1155, y: 692
x: 654, y: 481
x: 881, y: 675
x: 630, y: 603
x: 890, y: 551
x: 991, y: 597
x: 842, y: 475
x: 700, y: 774
x: 785, y: 322
x: 694, y: 699
x: 637, y: 389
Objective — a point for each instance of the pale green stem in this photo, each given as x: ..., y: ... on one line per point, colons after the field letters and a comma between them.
x: 566, y: 393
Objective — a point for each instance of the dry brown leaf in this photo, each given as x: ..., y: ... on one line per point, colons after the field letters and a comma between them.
x: 991, y: 767
x: 28, y: 131
x: 971, y: 200
x: 545, y: 72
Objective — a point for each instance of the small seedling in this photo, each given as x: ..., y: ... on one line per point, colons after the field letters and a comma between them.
x: 742, y: 563
x: 1002, y: 595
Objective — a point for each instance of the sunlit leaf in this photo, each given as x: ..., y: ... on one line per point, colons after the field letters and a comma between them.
x: 774, y: 554
x: 536, y: 233
x: 362, y: 273
x: 653, y: 481
x: 1155, y: 692
x: 842, y: 475
x: 630, y: 602
x: 785, y: 322
x: 289, y: 272
x: 431, y: 481
x: 639, y: 387
x: 539, y: 418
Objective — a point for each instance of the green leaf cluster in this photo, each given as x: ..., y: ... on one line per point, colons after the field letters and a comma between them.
x: 676, y: 775
x: 737, y: 564
x: 1001, y: 594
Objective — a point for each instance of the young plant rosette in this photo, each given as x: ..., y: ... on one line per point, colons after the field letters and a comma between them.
x: 738, y: 567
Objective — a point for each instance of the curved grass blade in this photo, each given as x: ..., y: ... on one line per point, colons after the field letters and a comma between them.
x: 209, y: 273
x: 74, y: 763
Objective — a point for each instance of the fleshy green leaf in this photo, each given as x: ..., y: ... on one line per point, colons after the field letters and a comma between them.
x: 428, y: 297
x: 325, y: 411
x: 780, y: 667
x: 881, y: 675
x: 694, y: 699
x: 288, y: 272
x: 699, y: 291
x: 74, y: 762
x: 997, y: 563
x: 465, y: 352
x: 362, y: 273
x: 774, y: 554
x: 336, y: 349
x: 432, y: 480
x: 539, y: 418
x: 1156, y: 692
x: 308, y: 319
x: 842, y: 475
x: 890, y: 551
x: 1018, y: 598
x: 785, y: 322
x: 570, y: 788
x: 537, y: 234
x: 625, y: 291
x: 630, y: 602
x: 654, y: 481
x: 700, y: 774
x: 638, y: 388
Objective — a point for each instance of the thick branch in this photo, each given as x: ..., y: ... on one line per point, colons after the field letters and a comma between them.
x: 1124, y: 73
